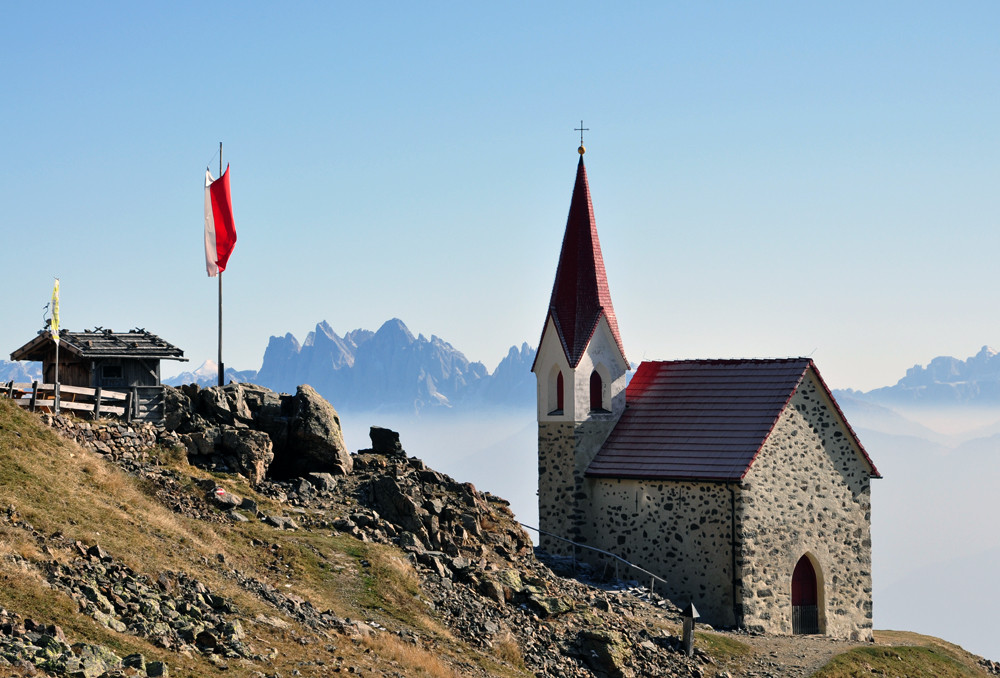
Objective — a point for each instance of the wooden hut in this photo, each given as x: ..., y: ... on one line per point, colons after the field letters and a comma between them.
x: 117, y: 361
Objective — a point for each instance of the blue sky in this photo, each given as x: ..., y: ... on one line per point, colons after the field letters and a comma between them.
x: 769, y: 179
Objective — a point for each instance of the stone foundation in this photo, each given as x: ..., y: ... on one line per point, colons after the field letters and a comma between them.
x: 111, y: 437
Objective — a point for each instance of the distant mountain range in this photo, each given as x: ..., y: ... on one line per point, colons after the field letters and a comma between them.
x: 19, y: 371
x: 945, y: 381
x: 207, y: 374
x: 391, y: 370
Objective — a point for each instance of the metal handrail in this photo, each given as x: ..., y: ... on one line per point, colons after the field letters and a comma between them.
x: 652, y: 577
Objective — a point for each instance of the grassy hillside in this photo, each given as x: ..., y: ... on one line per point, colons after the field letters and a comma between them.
x: 89, y: 547
x: 902, y: 653
x: 53, y: 493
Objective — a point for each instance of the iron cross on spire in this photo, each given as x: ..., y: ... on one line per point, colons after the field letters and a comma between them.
x: 581, y: 129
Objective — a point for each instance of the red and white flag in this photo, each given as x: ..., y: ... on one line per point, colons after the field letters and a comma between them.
x: 220, y: 231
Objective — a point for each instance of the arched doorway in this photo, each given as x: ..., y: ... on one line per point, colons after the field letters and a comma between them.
x: 805, y: 598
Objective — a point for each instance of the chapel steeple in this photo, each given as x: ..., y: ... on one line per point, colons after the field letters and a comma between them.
x: 580, y: 371
x: 580, y: 294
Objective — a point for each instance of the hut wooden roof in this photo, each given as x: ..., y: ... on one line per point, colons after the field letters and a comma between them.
x: 101, y: 343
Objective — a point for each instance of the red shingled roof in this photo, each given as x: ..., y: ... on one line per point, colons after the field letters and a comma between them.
x: 580, y: 295
x: 701, y: 419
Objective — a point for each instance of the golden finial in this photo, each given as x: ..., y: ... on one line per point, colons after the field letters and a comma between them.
x: 581, y: 129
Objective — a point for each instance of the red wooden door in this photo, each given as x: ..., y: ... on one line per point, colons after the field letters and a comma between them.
x: 805, y: 598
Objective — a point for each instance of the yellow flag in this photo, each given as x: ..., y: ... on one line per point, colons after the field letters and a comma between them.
x: 55, y: 311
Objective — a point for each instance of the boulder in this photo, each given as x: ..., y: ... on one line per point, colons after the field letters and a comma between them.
x: 224, y: 500
x: 262, y: 401
x: 324, y: 482
x: 315, y: 442
x: 176, y: 409
x: 94, y: 660
x: 253, y: 451
x: 385, y: 441
x: 157, y: 670
x: 237, y: 404
x: 606, y: 652
x: 551, y: 606
x: 214, y: 405
x: 395, y: 505
x: 201, y: 442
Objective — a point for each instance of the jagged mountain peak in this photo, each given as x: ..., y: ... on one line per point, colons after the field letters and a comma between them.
x: 396, y: 329
x: 390, y: 369
x: 325, y: 329
x: 945, y: 380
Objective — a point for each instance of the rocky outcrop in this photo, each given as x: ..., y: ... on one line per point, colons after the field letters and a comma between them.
x: 314, y: 441
x: 476, y: 567
x: 251, y: 430
x: 29, y: 647
x: 385, y: 441
x: 174, y: 611
x: 479, y: 570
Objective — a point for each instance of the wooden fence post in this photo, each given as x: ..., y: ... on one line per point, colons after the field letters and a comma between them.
x: 128, y: 407
x: 97, y: 403
x: 34, y: 395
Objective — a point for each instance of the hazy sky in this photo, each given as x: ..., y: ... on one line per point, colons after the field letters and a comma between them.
x: 769, y: 179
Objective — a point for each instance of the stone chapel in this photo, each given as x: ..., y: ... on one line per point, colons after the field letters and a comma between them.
x: 738, y: 481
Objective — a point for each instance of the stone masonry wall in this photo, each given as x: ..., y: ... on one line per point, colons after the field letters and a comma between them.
x: 555, y: 483
x: 565, y: 450
x: 680, y: 531
x: 808, y: 493
x: 111, y: 437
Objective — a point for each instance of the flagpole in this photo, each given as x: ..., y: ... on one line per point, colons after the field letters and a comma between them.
x: 54, y: 331
x: 222, y: 369
x: 55, y: 407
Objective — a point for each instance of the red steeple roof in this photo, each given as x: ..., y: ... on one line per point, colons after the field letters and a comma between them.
x: 580, y: 295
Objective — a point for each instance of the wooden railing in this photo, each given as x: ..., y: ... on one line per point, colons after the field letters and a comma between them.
x: 57, y: 397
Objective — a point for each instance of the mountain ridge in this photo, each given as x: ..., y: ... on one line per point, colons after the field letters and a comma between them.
x: 945, y: 381
x: 393, y: 370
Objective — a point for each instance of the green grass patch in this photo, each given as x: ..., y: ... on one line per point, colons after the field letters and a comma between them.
x: 909, y: 661
x: 722, y: 649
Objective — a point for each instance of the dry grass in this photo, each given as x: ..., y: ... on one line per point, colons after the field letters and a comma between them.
x: 416, y: 660
x: 60, y: 489
x: 507, y: 650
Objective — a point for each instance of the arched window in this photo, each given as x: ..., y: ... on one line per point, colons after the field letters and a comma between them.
x: 596, y: 392
x: 555, y: 390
